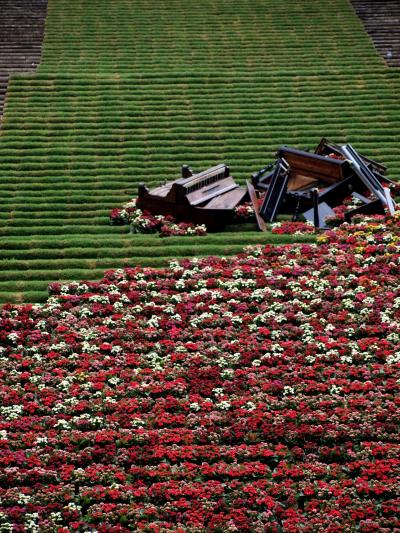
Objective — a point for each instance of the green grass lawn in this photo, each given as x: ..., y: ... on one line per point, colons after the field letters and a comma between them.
x: 118, y: 101
x: 152, y: 35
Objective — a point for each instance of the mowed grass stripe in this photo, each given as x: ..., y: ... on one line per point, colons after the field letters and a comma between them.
x: 142, y: 246
x: 209, y: 139
x: 27, y: 280
x: 140, y: 240
x: 37, y: 268
x: 120, y: 36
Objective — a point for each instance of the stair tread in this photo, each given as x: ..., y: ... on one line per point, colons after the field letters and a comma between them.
x: 381, y: 22
x: 21, y: 34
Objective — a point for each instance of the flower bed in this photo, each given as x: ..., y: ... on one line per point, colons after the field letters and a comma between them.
x: 256, y: 393
x: 293, y: 228
x: 144, y: 222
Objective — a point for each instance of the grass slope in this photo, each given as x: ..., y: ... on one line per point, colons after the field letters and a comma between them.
x: 143, y: 35
x: 99, y: 118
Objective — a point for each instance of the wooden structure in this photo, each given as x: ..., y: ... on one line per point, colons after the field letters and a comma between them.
x: 208, y: 197
x: 329, y: 149
x: 254, y: 200
x: 308, y: 169
x: 296, y: 174
x: 311, y: 184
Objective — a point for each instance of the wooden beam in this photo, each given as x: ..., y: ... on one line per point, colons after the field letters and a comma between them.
x: 253, y: 197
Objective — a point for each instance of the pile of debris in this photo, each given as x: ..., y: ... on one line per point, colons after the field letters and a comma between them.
x: 311, y: 184
x: 299, y: 183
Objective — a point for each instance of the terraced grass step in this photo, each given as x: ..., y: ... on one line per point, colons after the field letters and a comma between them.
x: 216, y: 122
x: 140, y: 244
x: 28, y: 266
x: 68, y: 229
x: 57, y: 203
x: 20, y: 222
x: 23, y: 214
x: 103, y: 36
x: 232, y: 236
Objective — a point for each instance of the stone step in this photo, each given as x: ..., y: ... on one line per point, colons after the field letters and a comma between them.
x: 381, y: 20
x: 22, y: 24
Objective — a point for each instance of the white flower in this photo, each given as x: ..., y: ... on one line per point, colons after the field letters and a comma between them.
x: 72, y: 506
x: 153, y: 321
x: 56, y: 517
x: 227, y: 373
x: 116, y: 349
x: 254, y: 251
x: 137, y: 422
x: 224, y: 405
x: 84, y: 312
x: 393, y: 359
x: 288, y: 390
x: 180, y: 284
x: 62, y: 424
x: 13, y: 337
x: 99, y: 298
x: 31, y: 522
x: 11, y: 412
x: 23, y: 498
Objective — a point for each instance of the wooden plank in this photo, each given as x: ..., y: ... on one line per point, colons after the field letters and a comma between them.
x: 253, y: 197
x: 297, y: 182
x: 336, y: 193
x: 327, y: 169
x: 228, y: 200
x: 162, y: 190
x: 210, y: 191
x: 325, y: 147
